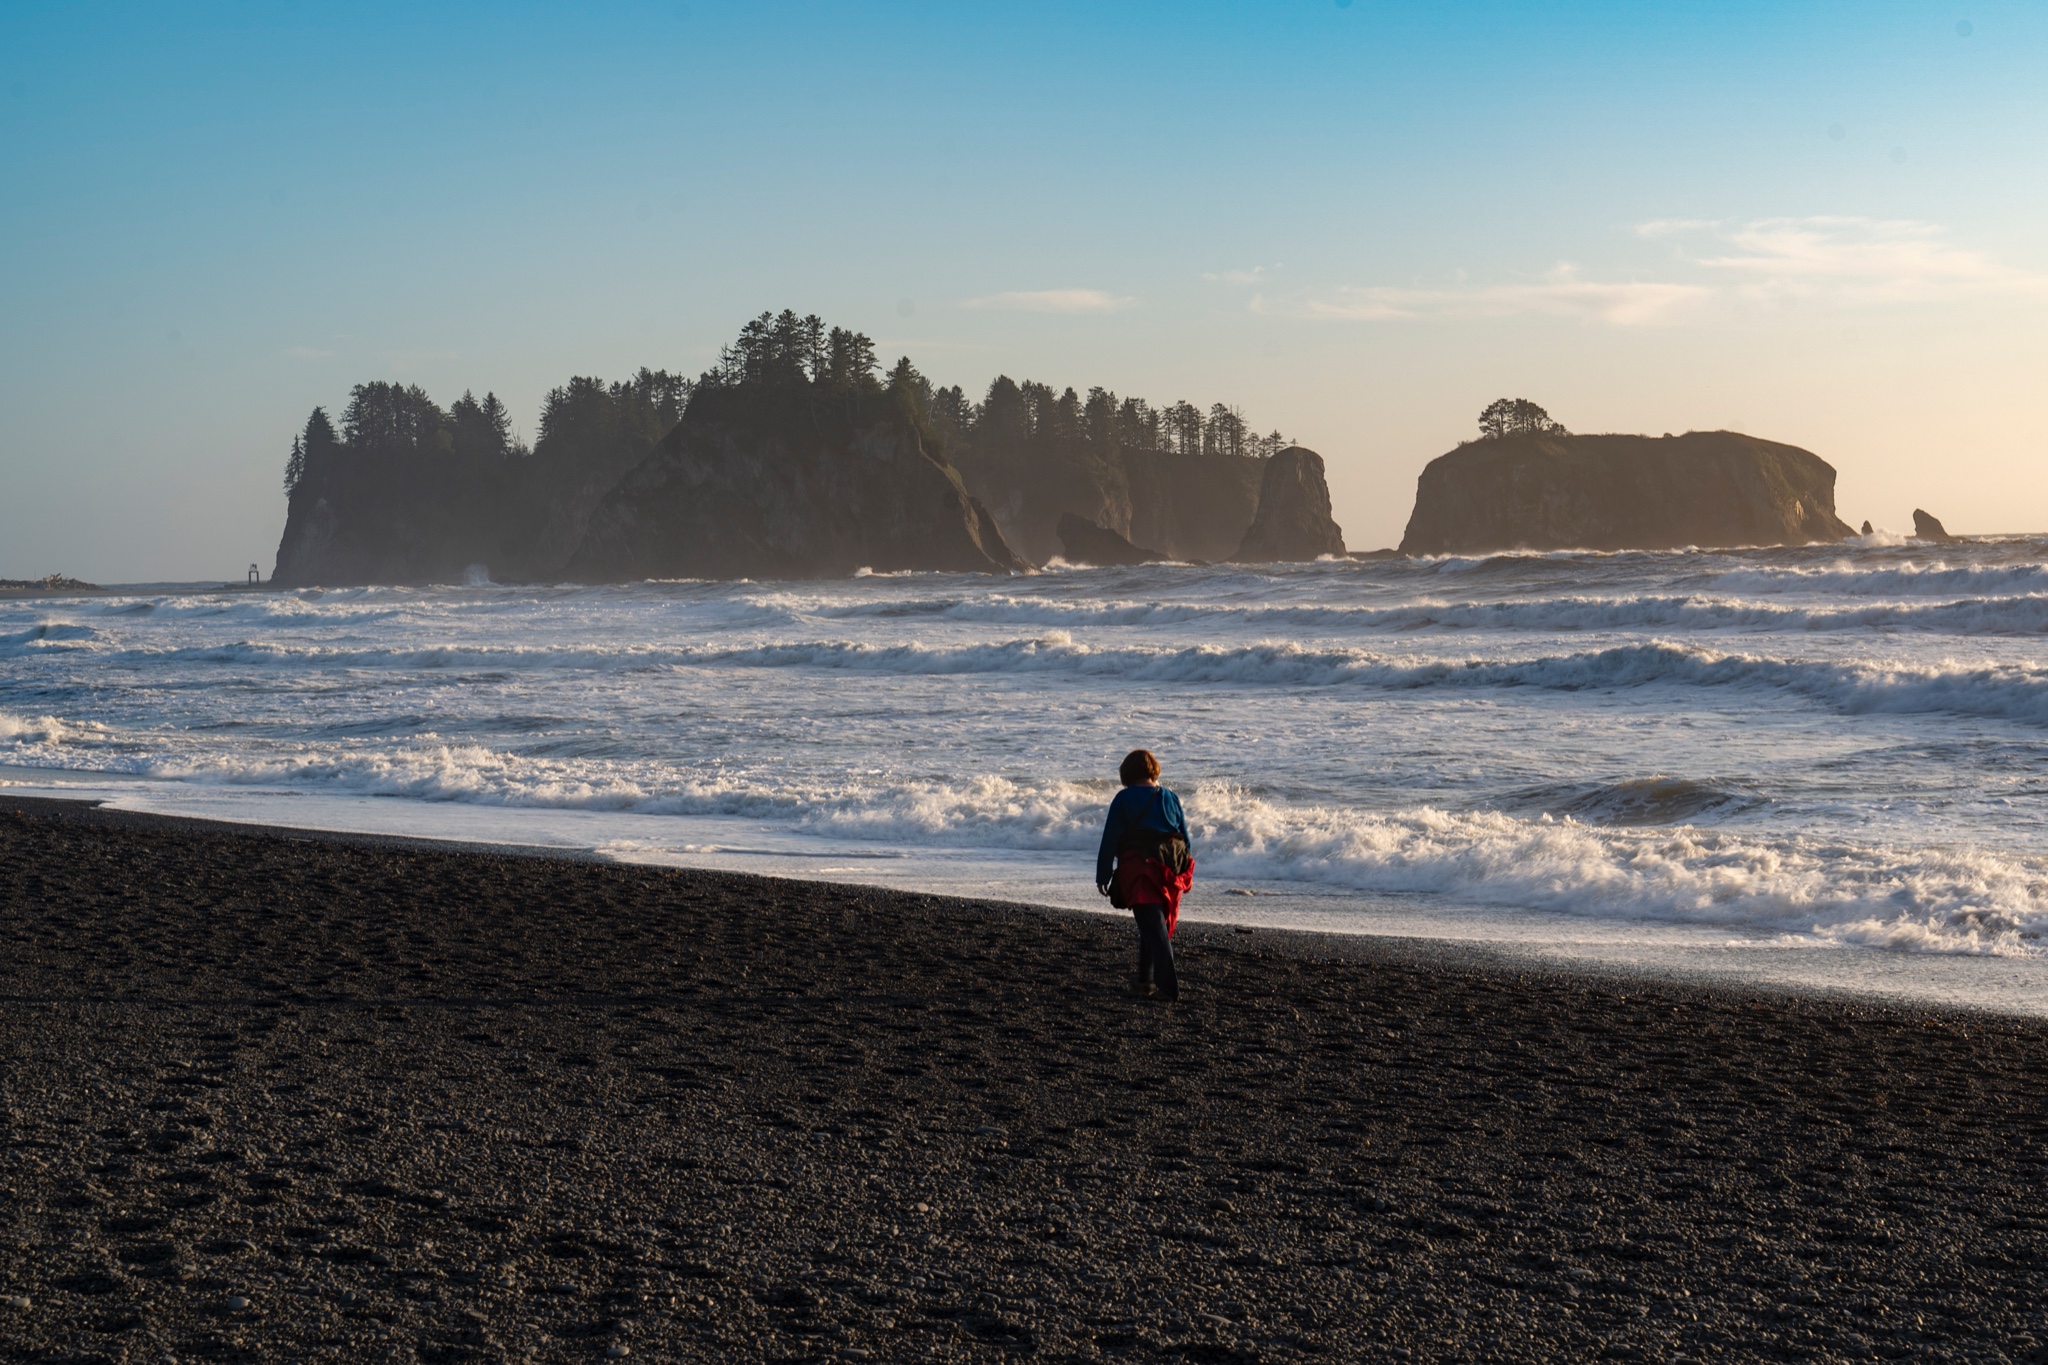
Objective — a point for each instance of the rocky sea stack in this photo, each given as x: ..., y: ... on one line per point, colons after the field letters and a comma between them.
x: 1552, y: 491
x: 1927, y: 526
x: 1293, y: 522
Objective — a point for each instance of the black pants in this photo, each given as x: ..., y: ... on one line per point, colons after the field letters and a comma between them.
x: 1155, y: 950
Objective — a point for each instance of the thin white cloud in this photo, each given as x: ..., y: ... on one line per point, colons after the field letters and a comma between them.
x: 1561, y: 293
x: 1673, y: 227
x: 1859, y: 260
x: 1256, y: 275
x: 1055, y: 301
x: 1846, y: 261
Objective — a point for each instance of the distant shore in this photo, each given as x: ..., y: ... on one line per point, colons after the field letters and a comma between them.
x: 275, y: 1095
x: 17, y: 588
x: 56, y: 585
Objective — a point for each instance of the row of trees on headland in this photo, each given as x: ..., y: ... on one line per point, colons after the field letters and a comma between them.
x: 787, y: 351
x: 582, y: 414
x: 793, y: 363
x: 1505, y: 417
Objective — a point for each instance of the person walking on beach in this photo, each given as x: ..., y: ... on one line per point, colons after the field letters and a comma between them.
x: 1146, y: 838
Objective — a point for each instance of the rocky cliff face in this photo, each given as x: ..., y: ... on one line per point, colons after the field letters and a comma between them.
x: 388, y: 516
x: 1185, y: 506
x: 722, y: 496
x: 718, y: 499
x: 1711, y: 488
x: 1293, y: 521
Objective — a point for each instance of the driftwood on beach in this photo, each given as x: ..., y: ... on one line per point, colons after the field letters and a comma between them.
x: 286, y: 1096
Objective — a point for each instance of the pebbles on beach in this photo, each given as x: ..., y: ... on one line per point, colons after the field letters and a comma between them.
x: 309, y: 1098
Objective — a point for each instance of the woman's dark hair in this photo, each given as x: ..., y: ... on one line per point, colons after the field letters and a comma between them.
x: 1138, y: 766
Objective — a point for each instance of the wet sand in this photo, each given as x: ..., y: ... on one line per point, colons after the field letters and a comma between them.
x: 277, y: 1097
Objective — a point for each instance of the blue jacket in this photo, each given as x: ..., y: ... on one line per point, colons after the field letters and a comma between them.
x: 1151, y: 810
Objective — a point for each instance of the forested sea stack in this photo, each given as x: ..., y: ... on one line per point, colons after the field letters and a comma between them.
x: 790, y: 458
x: 1549, y: 490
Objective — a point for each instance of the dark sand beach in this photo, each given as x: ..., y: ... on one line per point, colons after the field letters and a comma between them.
x: 318, y: 1098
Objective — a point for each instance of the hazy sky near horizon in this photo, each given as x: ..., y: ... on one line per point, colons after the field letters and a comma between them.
x: 1822, y: 223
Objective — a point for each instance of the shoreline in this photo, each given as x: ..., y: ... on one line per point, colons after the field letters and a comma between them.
x: 1537, y: 956
x: 407, y: 1100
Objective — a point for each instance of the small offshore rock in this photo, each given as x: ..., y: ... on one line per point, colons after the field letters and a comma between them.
x: 1089, y: 542
x: 1927, y: 526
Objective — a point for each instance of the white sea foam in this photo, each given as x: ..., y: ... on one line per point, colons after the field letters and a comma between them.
x: 1904, y: 899
x: 20, y: 736
x: 1846, y: 578
x: 1910, y: 899
x: 2026, y: 614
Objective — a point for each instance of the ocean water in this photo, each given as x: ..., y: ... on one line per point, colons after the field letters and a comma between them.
x: 1820, y: 766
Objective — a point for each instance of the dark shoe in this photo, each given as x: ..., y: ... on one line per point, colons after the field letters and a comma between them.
x: 1143, y: 990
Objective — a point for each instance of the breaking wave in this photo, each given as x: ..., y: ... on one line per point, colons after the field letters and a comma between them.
x: 30, y: 737
x: 2016, y: 692
x: 1638, y: 801
x: 1847, y: 579
x: 44, y: 635
x: 2003, y: 615
x: 1918, y: 900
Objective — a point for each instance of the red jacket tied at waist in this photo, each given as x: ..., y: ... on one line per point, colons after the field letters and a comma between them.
x: 1148, y: 881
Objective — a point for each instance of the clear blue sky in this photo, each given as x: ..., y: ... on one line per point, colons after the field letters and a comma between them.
x: 1819, y: 222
